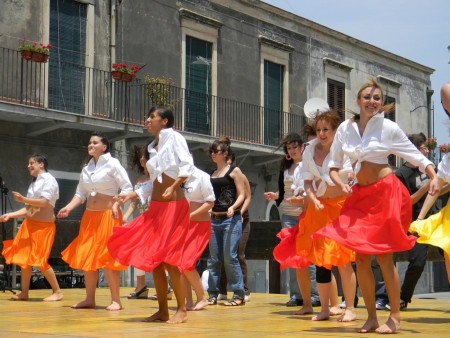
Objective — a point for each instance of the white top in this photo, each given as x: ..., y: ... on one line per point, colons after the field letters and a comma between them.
x: 106, y: 177
x: 444, y: 168
x: 44, y: 186
x: 381, y: 138
x: 320, y: 175
x: 144, y: 191
x: 198, y: 187
x: 298, y: 184
x: 172, y: 158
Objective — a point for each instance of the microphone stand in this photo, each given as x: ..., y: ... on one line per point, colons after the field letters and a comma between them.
x: 5, y: 282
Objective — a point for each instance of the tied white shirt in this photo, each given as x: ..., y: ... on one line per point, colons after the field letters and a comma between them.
x: 297, y: 183
x: 320, y: 175
x: 381, y: 138
x: 106, y: 177
x: 198, y: 187
x: 172, y: 158
x: 44, y: 186
x: 144, y: 191
x: 444, y: 168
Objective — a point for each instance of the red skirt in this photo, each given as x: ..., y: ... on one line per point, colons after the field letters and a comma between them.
x: 285, y: 252
x: 374, y: 219
x: 157, y: 236
x: 197, y: 238
x: 88, y: 251
x: 31, y: 246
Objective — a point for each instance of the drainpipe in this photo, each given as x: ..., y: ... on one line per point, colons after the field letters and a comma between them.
x: 430, y: 113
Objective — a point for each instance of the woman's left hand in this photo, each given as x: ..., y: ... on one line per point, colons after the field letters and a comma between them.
x: 435, y: 186
x: 18, y: 197
x: 167, y: 195
x: 230, y: 212
x: 115, y: 210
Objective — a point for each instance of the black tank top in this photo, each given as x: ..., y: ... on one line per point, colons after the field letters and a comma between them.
x: 225, y: 191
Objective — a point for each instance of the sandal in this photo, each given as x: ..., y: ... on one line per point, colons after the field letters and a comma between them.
x: 212, y: 301
x: 235, y: 301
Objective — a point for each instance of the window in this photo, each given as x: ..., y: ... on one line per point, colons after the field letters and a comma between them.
x: 67, y: 62
x: 336, y: 97
x: 198, y: 85
x: 392, y: 159
x: 273, y: 102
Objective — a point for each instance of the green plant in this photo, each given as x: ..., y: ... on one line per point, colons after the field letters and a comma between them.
x: 431, y: 143
x: 34, y: 47
x: 159, y: 89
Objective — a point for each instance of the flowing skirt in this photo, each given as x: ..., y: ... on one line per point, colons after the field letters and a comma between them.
x: 322, y: 251
x: 31, y: 246
x: 435, y: 230
x: 88, y: 251
x: 197, y: 238
x: 374, y: 219
x: 285, y: 252
x: 157, y: 236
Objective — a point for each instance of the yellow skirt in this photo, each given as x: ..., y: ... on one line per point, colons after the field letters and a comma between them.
x: 435, y: 230
x: 319, y: 250
x: 88, y: 251
x: 32, y: 245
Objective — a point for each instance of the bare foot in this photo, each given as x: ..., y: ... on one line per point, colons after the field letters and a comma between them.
x: 200, y: 304
x: 160, y: 316
x: 349, y: 315
x: 55, y: 296
x: 369, y: 325
x: 21, y: 296
x: 305, y: 310
x: 84, y: 305
x: 322, y: 315
x: 190, y: 306
x: 114, y: 306
x: 391, y: 326
x: 179, y: 317
x: 335, y: 310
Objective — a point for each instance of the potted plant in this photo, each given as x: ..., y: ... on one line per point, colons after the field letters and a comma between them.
x: 431, y: 143
x: 121, y: 72
x: 34, y: 51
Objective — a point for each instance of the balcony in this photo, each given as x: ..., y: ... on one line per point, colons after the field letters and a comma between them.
x: 74, y: 96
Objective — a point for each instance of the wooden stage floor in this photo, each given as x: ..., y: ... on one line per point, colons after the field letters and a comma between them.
x: 264, y: 316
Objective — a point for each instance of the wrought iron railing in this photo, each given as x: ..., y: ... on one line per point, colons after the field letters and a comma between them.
x: 76, y: 89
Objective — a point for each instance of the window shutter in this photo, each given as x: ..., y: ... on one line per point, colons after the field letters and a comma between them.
x: 336, y: 97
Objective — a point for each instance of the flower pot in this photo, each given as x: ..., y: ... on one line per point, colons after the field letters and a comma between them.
x: 26, y: 54
x: 39, y: 57
x: 120, y: 76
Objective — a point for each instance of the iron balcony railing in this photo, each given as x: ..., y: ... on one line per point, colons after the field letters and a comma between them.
x: 76, y: 89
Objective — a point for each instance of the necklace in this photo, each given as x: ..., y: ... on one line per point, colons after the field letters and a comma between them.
x: 222, y: 171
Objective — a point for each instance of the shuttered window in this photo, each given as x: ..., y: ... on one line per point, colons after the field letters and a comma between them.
x: 67, y: 190
x: 273, y: 102
x: 67, y: 56
x: 336, y: 97
x: 198, y: 85
x: 392, y: 159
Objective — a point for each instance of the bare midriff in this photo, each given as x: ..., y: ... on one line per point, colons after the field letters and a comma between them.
x: 99, y: 202
x: 204, y: 216
x: 332, y: 192
x: 372, y: 172
x: 43, y: 214
x: 160, y: 187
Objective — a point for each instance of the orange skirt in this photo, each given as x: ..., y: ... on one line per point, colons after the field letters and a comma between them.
x: 285, y: 252
x: 157, y: 236
x: 88, y: 251
x: 31, y: 246
x: 197, y: 238
x: 320, y: 250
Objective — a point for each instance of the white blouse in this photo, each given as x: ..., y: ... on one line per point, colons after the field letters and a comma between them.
x: 381, y: 138
x: 320, y: 175
x: 44, y: 186
x: 144, y: 191
x: 444, y: 168
x: 198, y: 187
x: 298, y: 184
x: 106, y: 177
x: 172, y: 158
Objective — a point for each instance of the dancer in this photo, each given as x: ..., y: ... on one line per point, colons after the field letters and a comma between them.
x: 101, y: 178
x: 325, y: 203
x: 301, y: 280
x: 33, y: 242
x: 155, y: 240
x: 376, y: 215
x: 200, y: 194
x: 226, y: 221
x: 143, y: 189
